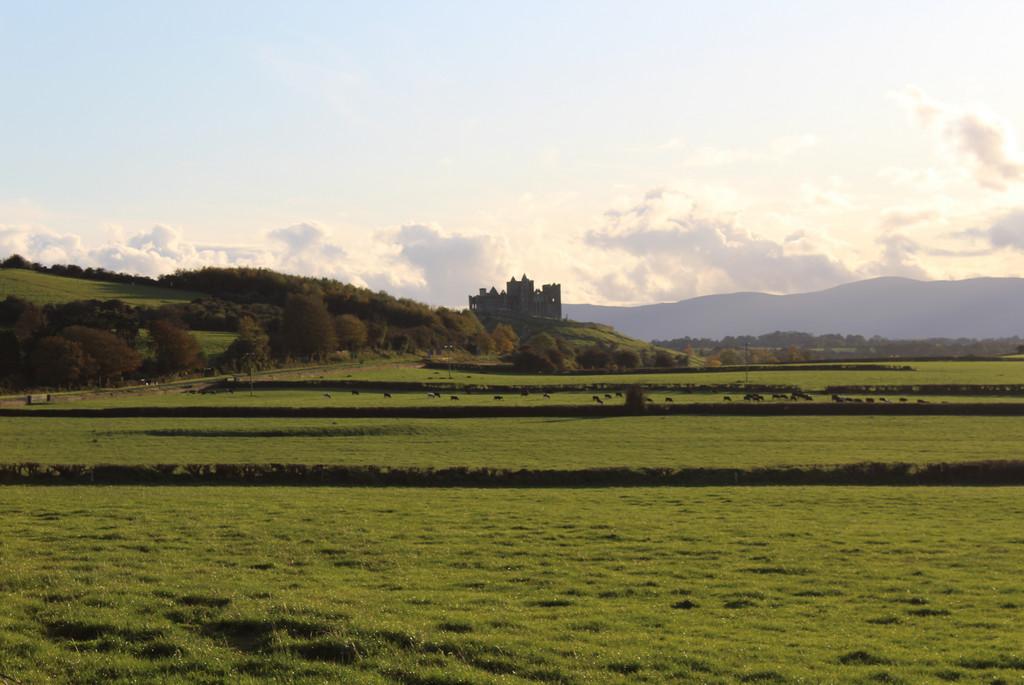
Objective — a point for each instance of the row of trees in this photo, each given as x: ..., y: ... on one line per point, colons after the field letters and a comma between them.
x: 49, y: 347
x: 783, y: 346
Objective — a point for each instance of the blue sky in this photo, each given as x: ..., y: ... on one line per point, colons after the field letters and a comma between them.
x: 634, y: 152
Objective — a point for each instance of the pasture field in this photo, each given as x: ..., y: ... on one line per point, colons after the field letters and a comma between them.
x: 939, y: 372
x: 344, y: 398
x: 416, y: 587
x: 45, y: 289
x: 214, y: 343
x: 535, y: 443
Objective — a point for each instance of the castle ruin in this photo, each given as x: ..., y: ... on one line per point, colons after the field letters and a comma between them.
x: 520, y: 297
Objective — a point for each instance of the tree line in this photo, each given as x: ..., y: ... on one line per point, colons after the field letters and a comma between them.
x: 278, y: 318
x: 787, y: 346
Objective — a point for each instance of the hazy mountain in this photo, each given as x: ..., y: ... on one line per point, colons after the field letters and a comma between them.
x: 900, y: 308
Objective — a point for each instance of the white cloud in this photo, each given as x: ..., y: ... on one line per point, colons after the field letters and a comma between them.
x: 977, y: 139
x: 899, y: 217
x: 443, y: 268
x: 673, y: 249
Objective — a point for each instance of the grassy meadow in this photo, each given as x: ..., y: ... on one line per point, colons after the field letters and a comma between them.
x: 535, y: 443
x: 711, y: 585
x: 446, y: 586
x: 45, y: 289
x: 926, y: 372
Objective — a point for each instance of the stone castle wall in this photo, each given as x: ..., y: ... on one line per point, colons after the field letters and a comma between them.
x: 520, y: 297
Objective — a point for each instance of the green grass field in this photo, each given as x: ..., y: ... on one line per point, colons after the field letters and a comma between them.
x: 459, y: 586
x: 371, y: 399
x: 537, y: 443
x: 440, y: 587
x: 49, y: 289
x: 1008, y: 372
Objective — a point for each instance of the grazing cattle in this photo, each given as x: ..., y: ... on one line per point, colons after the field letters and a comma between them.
x: 327, y: 395
x: 599, y: 400
x: 607, y: 396
x: 922, y: 401
x: 498, y: 397
x: 727, y: 399
x: 595, y: 398
x: 837, y: 398
x: 455, y: 397
x: 904, y: 399
x: 387, y: 394
x: 753, y: 397
x: 883, y: 400
x: 649, y: 399
x: 618, y: 394
x: 525, y: 393
x: 355, y: 392
x: 668, y: 399
x: 547, y: 396
x: 870, y: 400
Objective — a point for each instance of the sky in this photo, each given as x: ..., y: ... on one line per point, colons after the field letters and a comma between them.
x: 634, y: 152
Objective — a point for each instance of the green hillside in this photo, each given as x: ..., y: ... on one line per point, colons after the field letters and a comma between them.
x: 575, y: 332
x: 45, y: 289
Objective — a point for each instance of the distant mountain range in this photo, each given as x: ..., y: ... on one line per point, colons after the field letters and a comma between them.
x: 898, y: 308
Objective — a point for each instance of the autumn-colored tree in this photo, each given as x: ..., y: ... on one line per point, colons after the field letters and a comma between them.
x: 483, y: 343
x: 108, y: 356
x: 730, y: 357
x: 505, y: 338
x: 351, y: 332
x: 793, y: 354
x: 308, y: 328
x: 57, y: 362
x: 175, y: 348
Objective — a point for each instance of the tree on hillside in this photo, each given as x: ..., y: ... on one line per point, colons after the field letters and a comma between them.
x: 29, y: 322
x: 626, y: 358
x: 664, y: 358
x: 505, y: 338
x: 730, y: 357
x: 351, y: 332
x: 16, y: 261
x: 250, y: 350
x: 176, y: 349
x: 308, y: 328
x: 108, y: 356
x: 594, y: 357
x: 57, y: 362
x: 483, y: 344
x: 10, y: 354
x: 112, y: 315
x: 543, y: 353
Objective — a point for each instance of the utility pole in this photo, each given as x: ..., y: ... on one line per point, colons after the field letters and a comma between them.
x: 746, y: 367
x: 249, y: 362
x: 448, y: 349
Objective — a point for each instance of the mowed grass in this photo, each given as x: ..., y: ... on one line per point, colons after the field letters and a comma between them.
x: 711, y: 585
x: 44, y: 289
x: 535, y: 443
x: 924, y: 373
